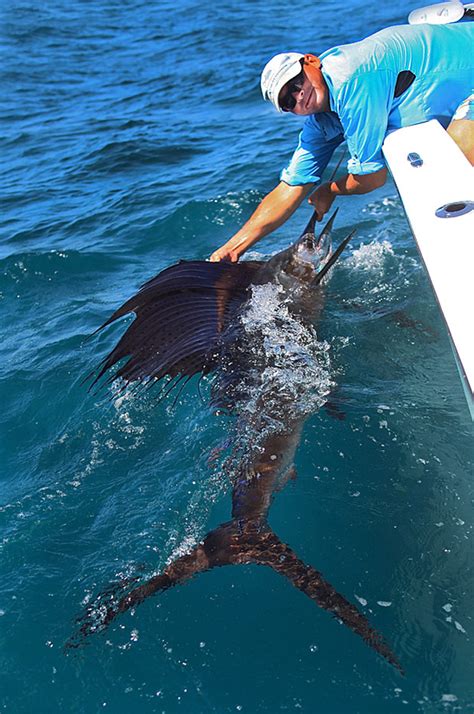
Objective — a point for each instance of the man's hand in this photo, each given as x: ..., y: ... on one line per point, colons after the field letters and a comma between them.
x: 322, y: 200
x: 225, y: 253
x: 272, y: 212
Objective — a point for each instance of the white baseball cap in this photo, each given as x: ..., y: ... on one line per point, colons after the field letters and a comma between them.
x: 277, y: 72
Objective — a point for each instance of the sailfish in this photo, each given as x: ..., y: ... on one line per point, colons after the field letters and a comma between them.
x: 189, y: 320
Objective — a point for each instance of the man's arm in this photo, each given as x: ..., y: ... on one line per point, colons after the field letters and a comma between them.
x: 347, y: 185
x: 272, y: 212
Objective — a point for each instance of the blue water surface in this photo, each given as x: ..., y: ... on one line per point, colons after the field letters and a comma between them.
x: 133, y: 134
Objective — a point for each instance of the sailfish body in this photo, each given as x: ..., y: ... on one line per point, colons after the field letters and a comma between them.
x: 188, y: 320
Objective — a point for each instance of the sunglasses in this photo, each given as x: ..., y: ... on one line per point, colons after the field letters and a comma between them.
x: 288, y: 102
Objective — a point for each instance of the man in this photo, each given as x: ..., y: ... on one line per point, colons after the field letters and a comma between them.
x: 397, y: 77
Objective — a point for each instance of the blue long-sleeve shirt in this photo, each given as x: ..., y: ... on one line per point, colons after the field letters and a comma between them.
x: 361, y: 79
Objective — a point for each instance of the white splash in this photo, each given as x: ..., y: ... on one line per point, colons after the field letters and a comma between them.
x: 370, y: 257
x: 287, y: 372
x: 296, y: 366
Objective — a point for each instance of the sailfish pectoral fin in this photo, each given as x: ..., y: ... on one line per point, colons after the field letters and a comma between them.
x: 233, y: 543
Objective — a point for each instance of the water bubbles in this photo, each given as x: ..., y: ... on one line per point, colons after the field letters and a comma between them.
x: 275, y: 374
x: 449, y: 698
x: 389, y: 205
x: 294, y: 365
x: 186, y: 545
x: 371, y: 257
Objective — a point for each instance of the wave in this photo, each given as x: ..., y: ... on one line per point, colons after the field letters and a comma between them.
x: 131, y: 155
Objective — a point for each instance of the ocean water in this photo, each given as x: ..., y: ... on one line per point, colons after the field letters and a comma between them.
x: 133, y: 135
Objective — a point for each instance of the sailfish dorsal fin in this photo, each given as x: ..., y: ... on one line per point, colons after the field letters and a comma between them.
x: 179, y: 317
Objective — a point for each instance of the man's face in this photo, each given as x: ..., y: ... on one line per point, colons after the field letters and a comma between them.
x: 304, y: 96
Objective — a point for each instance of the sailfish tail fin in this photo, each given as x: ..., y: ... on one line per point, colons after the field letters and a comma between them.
x: 310, y: 581
x: 233, y: 543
